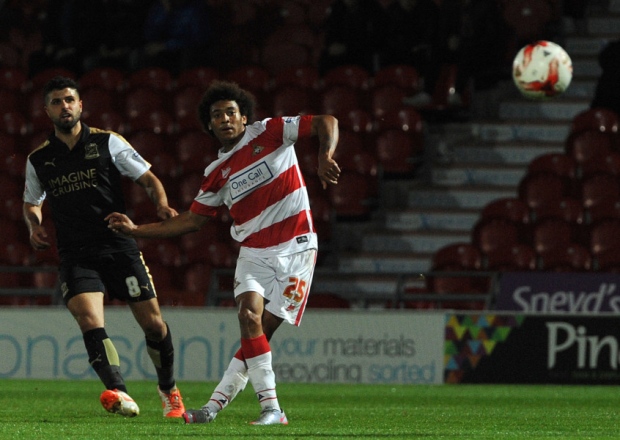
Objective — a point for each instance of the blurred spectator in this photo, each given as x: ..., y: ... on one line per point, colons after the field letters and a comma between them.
x: 177, y: 34
x: 607, y: 92
x: 352, y: 35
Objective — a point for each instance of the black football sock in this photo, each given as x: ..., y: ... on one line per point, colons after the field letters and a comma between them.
x: 162, y: 355
x: 103, y: 357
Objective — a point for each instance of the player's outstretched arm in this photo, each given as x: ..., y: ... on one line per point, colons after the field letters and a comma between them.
x: 326, y: 128
x: 155, y: 190
x: 171, y: 227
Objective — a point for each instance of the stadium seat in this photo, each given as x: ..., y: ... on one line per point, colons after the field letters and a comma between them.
x: 14, y: 122
x: 528, y: 18
x: 197, y: 281
x: 10, y: 99
x: 292, y: 101
x: 608, y: 164
x: 339, y: 100
x: 281, y: 55
x: 141, y: 100
x: 589, y: 145
x: 572, y: 257
x: 357, y: 120
x: 352, y: 197
x: 322, y: 216
x: 254, y: 78
x: 602, y: 211
x: 106, y: 78
x: 35, y: 111
x: 398, y: 152
x: 449, y: 281
x: 557, y: 163
x: 194, y: 151
x: 185, y: 107
x: 403, y: 118
x: 200, y: 77
x: 512, y: 258
x: 306, y: 77
x: 352, y: 76
x: 464, y: 256
x: 597, y: 119
x: 165, y: 252
x: 15, y: 253
x: 604, y: 237
x: 13, y: 79
x: 385, y: 99
x: 509, y: 208
x: 97, y: 99
x: 489, y: 234
x: 551, y: 233
x: 599, y: 189
x: 108, y: 120
x: 403, y: 76
x: 158, y: 121
x: 148, y: 143
x: 189, y: 185
x: 156, y: 78
x: 41, y: 78
x: 14, y: 165
x: 542, y: 188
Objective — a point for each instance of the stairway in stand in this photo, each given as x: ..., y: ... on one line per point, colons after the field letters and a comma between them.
x: 473, y: 163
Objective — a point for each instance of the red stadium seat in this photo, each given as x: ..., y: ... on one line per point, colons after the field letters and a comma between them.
x: 147, y: 143
x: 586, y: 146
x: 542, y: 188
x: 106, y: 78
x: 604, y: 237
x: 109, y: 120
x: 490, y: 234
x: 195, y: 150
x: 281, y: 55
x: 256, y: 79
x: 200, y: 77
x: 13, y: 79
x: 403, y: 118
x: 292, y: 101
x: 156, y: 78
x: 357, y: 120
x: 156, y: 120
x: 41, y: 78
x: 608, y: 164
x: 306, y: 77
x: 551, y: 233
x: 403, y: 76
x: 14, y: 122
x: 185, y: 106
x: 142, y: 100
x: 569, y: 258
x: 352, y: 76
x: 197, y: 280
x: 96, y: 99
x: 327, y: 301
x: 509, y: 208
x: 352, y: 197
x: 512, y: 258
x: 339, y: 101
x: 385, y: 99
x: 557, y: 163
x: 464, y: 256
x: 10, y: 99
x: 597, y: 119
x: 398, y: 152
x: 600, y: 189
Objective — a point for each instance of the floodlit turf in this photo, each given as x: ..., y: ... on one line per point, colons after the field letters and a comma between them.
x: 34, y: 409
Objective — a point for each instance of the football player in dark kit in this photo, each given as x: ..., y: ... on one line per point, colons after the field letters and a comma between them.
x: 78, y: 170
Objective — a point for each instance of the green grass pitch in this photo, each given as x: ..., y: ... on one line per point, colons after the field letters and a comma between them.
x: 38, y: 409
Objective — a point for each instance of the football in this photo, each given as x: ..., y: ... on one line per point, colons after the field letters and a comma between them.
x: 542, y: 70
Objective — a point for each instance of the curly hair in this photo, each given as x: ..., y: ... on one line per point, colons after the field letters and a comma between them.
x: 225, y: 91
x: 59, y: 83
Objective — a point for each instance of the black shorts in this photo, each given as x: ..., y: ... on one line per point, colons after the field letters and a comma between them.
x: 123, y: 275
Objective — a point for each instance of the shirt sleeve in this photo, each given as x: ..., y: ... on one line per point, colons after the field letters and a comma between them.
x: 126, y: 159
x: 33, y: 192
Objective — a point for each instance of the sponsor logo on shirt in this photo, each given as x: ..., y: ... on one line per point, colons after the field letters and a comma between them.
x: 92, y: 151
x: 249, y: 179
x: 302, y: 239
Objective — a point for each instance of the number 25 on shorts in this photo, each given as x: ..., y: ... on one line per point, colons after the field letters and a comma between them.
x: 295, y: 291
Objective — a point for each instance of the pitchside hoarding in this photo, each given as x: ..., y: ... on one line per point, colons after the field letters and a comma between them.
x: 533, y: 349
x: 559, y: 292
x: 394, y: 347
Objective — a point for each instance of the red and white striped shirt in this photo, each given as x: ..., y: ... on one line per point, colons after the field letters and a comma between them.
x: 260, y: 182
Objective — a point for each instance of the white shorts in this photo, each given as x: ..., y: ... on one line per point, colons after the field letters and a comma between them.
x: 284, y: 282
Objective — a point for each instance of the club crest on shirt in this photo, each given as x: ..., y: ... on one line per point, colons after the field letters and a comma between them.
x: 225, y: 172
x: 91, y: 151
x: 257, y: 150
